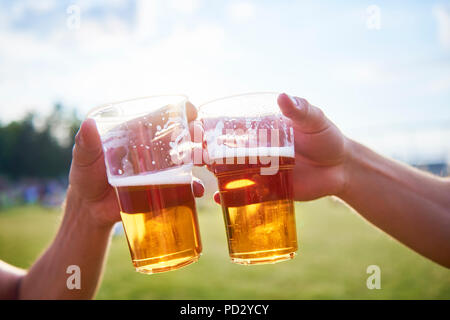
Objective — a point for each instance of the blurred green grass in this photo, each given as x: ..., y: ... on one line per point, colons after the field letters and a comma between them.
x: 336, y: 246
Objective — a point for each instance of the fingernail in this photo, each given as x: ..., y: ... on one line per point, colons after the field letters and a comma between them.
x: 294, y: 101
x: 79, y: 137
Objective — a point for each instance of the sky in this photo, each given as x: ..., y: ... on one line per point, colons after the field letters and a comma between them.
x: 379, y: 69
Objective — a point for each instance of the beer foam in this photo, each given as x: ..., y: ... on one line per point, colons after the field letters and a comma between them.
x: 177, y: 175
x: 229, y: 152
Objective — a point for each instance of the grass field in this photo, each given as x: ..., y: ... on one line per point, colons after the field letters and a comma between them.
x: 336, y: 246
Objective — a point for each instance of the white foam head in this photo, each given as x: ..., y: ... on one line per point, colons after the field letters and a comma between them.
x: 176, y: 175
x: 228, y: 152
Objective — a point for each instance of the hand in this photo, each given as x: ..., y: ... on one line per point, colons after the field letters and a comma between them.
x: 320, y: 151
x: 88, y: 182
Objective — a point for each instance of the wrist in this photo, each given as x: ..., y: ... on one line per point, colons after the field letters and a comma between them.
x: 83, y: 212
x: 348, y: 167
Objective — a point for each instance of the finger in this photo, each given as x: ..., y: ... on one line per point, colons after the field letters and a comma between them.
x: 88, y: 172
x: 88, y: 147
x: 196, y: 131
x: 217, y: 197
x: 306, y: 117
x: 191, y: 111
x: 198, y: 187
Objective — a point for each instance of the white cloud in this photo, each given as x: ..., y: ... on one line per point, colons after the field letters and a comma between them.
x: 102, y: 61
x: 25, y: 47
x: 416, y: 145
x: 442, y: 15
x: 440, y: 84
x: 20, y: 7
x: 362, y: 72
x: 89, y: 4
x: 241, y: 11
x: 185, y: 6
x: 112, y: 58
x: 106, y: 36
x: 146, y: 15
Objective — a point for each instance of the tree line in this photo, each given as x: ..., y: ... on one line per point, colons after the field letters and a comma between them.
x: 38, y: 147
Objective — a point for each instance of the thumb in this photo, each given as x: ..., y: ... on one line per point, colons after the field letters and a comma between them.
x: 198, y: 187
x: 88, y: 148
x: 306, y: 117
x: 88, y: 172
x: 217, y: 197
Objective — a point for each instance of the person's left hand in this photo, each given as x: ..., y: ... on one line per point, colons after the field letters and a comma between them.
x: 88, y: 182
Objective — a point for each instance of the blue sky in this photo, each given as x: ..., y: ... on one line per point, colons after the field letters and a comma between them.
x: 388, y: 85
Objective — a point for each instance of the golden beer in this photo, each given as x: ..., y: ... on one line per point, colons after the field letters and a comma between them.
x: 258, y: 211
x: 161, y: 226
x: 249, y: 146
x: 144, y: 142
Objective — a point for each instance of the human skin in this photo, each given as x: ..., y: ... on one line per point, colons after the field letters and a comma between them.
x: 90, y: 212
x: 410, y: 205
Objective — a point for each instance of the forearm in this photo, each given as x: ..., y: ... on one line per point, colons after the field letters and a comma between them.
x: 410, y: 205
x: 78, y: 242
x: 10, y: 278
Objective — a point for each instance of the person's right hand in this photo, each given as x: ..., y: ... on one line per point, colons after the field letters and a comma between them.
x: 320, y: 150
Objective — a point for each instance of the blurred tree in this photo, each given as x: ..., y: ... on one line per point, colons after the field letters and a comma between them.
x: 29, y: 152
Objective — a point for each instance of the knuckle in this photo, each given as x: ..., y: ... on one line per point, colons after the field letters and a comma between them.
x: 290, y: 112
x: 320, y: 113
x: 78, y: 138
x: 306, y: 110
x: 302, y: 101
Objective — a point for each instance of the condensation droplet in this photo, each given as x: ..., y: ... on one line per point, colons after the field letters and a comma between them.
x: 153, y: 162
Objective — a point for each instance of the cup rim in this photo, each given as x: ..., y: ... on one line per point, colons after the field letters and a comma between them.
x: 109, y: 104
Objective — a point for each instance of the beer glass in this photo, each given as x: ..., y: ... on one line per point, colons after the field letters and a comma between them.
x: 249, y: 146
x: 146, y: 144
